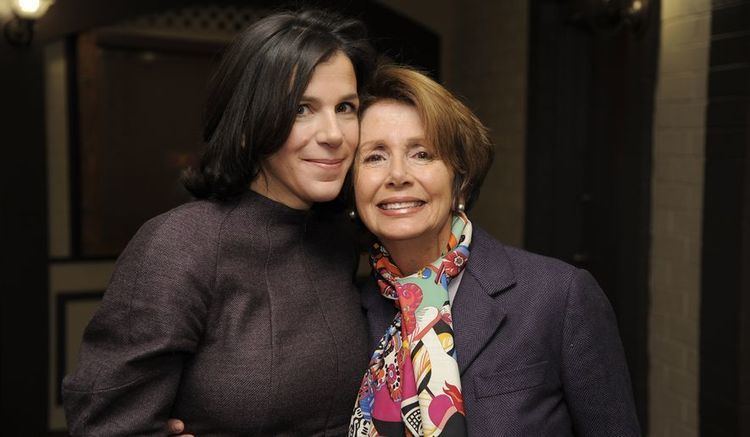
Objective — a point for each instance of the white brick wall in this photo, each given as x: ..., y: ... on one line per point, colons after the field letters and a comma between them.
x: 676, y: 217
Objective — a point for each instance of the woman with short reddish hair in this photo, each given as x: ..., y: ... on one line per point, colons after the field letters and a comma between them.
x: 471, y: 337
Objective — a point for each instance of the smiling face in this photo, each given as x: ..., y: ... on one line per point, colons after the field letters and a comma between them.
x: 312, y: 164
x: 403, y: 191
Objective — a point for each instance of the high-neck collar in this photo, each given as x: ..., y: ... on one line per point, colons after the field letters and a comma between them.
x: 273, y: 209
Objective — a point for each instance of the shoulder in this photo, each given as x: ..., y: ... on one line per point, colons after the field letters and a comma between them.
x: 194, y: 219
x: 534, y: 276
x: 185, y: 235
x: 490, y: 258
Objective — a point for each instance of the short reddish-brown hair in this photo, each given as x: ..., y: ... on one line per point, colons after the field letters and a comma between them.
x: 460, y: 139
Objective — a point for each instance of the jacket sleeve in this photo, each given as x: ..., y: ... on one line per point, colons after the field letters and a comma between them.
x: 595, y: 374
x: 150, y: 320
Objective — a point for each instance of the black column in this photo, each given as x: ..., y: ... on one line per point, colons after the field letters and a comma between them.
x: 725, y: 285
x: 23, y: 242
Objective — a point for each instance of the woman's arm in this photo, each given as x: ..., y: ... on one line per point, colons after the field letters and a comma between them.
x: 133, y: 350
x: 594, y: 371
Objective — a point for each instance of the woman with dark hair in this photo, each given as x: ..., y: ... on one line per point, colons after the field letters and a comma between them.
x: 236, y: 312
x: 471, y: 337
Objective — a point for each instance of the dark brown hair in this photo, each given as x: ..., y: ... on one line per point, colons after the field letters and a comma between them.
x: 257, y: 87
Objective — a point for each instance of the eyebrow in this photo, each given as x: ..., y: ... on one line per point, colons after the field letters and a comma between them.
x: 411, y: 142
x: 317, y: 100
x: 368, y: 144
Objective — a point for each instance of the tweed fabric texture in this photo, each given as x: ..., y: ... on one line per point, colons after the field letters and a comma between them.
x: 537, y: 346
x: 239, y: 318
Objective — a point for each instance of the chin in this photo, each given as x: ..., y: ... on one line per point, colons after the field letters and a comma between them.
x: 325, y: 191
x: 400, y: 235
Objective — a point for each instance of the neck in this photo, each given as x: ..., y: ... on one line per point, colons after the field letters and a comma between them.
x: 413, y: 254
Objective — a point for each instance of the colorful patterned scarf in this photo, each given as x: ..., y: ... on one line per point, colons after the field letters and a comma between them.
x: 412, y: 386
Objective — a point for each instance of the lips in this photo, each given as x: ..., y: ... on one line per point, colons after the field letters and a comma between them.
x: 390, y: 206
x: 326, y: 163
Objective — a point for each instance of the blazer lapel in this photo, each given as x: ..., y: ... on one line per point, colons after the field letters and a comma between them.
x: 477, y: 316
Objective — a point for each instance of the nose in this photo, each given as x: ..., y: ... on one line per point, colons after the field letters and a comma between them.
x: 398, y: 173
x: 329, y: 131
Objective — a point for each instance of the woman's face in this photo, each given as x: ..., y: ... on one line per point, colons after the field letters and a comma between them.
x: 312, y: 164
x: 403, y: 192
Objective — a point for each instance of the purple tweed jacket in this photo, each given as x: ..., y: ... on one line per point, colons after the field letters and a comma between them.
x: 238, y: 317
x: 538, y: 347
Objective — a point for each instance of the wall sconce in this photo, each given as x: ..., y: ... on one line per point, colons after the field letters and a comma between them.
x: 19, y: 30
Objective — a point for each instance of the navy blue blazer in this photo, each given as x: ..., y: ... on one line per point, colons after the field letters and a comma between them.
x: 537, y: 346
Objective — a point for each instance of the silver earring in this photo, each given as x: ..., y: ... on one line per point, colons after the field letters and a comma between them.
x: 352, y: 214
x: 461, y: 207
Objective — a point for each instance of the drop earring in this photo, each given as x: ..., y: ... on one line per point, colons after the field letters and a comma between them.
x: 459, y: 205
